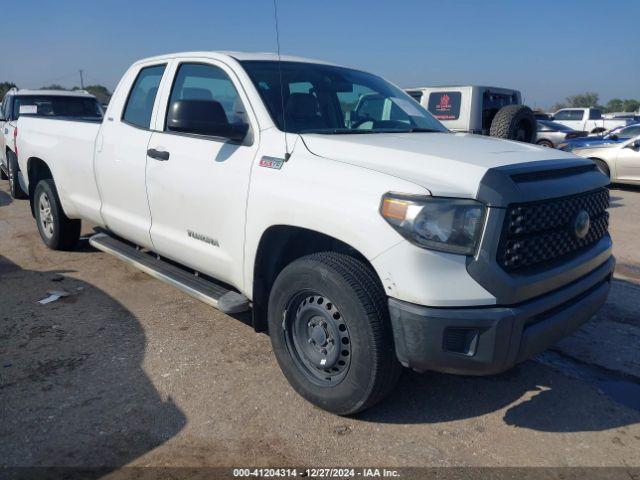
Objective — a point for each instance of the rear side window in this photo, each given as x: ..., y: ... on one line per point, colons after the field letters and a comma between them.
x: 207, y: 90
x: 569, y: 115
x: 142, y: 96
x: 445, y: 105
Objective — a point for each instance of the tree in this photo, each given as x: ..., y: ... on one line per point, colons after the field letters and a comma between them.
x: 630, y: 105
x: 558, y: 106
x: 583, y: 100
x: 53, y: 86
x: 5, y: 87
x: 101, y: 92
x: 615, y: 105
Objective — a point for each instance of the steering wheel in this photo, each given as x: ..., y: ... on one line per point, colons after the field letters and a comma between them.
x: 358, y: 123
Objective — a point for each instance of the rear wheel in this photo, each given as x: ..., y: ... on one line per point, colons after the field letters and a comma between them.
x: 57, y: 231
x: 14, y: 183
x: 514, y: 122
x: 331, y: 334
x: 545, y: 143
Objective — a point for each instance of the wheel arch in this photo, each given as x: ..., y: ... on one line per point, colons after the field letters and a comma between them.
x: 37, y: 169
x: 280, y: 245
x: 610, y: 165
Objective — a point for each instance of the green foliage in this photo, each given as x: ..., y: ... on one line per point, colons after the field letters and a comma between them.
x: 590, y: 99
x: 631, y: 105
x: 5, y: 87
x: 583, y: 100
x: 615, y: 105
x: 53, y: 86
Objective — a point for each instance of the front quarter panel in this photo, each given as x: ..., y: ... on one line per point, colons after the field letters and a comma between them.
x: 330, y: 197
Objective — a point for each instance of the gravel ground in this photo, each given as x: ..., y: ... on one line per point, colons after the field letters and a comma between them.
x: 129, y: 371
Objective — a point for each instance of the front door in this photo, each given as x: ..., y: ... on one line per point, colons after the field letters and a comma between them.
x: 628, y: 162
x: 198, y: 183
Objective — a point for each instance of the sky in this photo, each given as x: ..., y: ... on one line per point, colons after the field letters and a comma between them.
x: 547, y: 49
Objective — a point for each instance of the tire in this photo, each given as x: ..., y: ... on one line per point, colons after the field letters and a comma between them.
x: 3, y: 176
x: 57, y: 231
x: 361, y: 366
x: 514, y: 122
x: 14, y: 185
x: 603, y: 167
x: 545, y: 143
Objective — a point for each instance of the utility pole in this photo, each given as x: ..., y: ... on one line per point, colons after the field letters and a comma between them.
x: 81, y: 80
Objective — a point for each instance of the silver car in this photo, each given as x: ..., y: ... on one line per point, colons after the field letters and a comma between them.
x: 552, y: 134
x: 620, y: 161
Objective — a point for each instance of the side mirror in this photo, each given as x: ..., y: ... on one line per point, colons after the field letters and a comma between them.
x: 203, y: 117
x: 635, y: 145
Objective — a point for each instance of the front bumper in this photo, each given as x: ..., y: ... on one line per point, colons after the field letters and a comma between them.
x: 489, y: 340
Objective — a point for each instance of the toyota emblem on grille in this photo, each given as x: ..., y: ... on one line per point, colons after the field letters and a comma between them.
x: 581, y: 224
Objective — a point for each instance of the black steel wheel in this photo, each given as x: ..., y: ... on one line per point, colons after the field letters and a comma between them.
x: 317, y: 337
x: 331, y: 334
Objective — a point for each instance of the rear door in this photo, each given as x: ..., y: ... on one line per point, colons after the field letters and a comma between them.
x: 198, y: 183
x: 121, y: 157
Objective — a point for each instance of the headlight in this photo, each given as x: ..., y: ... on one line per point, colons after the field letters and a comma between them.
x: 445, y: 224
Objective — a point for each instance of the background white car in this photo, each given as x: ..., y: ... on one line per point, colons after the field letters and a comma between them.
x: 621, y: 161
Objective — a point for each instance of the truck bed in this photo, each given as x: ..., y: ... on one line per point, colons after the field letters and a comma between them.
x: 67, y: 146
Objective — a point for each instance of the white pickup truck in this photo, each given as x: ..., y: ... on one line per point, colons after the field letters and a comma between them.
x: 362, y: 243
x: 588, y: 120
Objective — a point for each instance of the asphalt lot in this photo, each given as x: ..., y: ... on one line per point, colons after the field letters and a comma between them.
x: 129, y: 371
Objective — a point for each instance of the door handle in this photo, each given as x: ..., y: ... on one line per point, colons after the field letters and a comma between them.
x: 158, y: 154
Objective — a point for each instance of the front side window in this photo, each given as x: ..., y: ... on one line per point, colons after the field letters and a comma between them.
x: 629, y: 132
x: 142, y: 96
x: 203, y: 100
x: 316, y: 98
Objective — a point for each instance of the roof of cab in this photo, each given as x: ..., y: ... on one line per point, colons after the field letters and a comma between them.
x: 239, y: 56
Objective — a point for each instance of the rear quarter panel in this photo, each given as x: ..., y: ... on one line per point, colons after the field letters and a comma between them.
x: 67, y: 147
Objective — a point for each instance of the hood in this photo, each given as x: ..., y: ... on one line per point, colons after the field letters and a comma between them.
x: 446, y: 164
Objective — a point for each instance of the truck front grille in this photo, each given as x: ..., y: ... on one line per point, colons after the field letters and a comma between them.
x: 535, y: 234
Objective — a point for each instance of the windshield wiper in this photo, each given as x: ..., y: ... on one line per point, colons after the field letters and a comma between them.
x: 422, y: 130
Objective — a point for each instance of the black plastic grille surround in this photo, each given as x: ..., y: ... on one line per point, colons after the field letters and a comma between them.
x: 543, y: 232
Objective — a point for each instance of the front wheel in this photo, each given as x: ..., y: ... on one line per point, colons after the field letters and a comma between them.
x: 57, y: 231
x: 330, y: 330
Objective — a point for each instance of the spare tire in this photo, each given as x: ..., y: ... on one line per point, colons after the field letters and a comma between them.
x: 514, y: 122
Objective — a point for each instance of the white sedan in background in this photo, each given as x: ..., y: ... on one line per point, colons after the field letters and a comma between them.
x: 620, y: 161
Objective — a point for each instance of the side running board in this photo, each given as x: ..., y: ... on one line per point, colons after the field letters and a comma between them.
x: 208, y: 292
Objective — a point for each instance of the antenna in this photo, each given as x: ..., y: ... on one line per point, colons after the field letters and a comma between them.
x: 81, y: 79
x: 284, y: 117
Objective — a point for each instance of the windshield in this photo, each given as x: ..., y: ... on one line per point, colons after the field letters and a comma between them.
x: 333, y: 100
x: 57, y: 106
